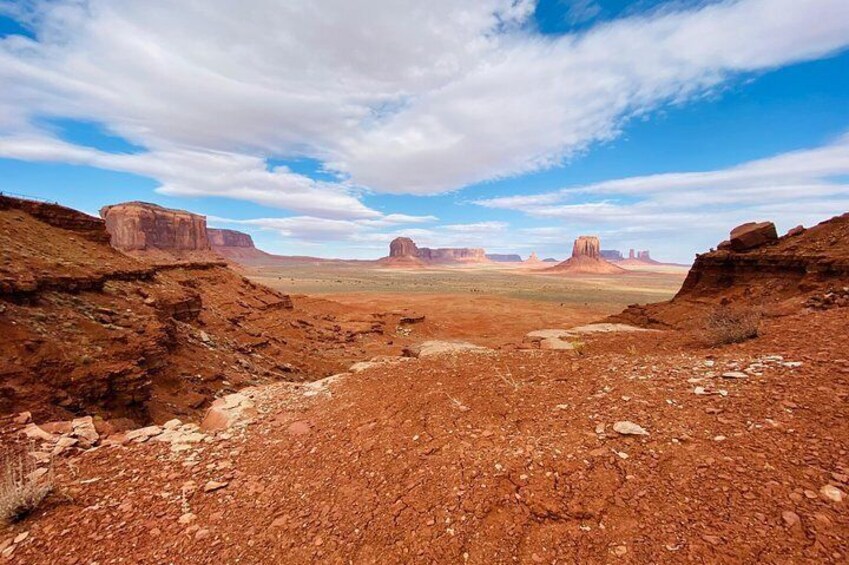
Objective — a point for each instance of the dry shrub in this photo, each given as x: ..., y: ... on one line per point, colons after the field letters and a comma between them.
x: 23, y: 485
x: 726, y: 325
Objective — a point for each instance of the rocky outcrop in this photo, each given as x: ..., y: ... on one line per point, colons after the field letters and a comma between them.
x: 403, y: 252
x: 229, y: 238
x: 141, y: 226
x: 586, y: 258
x: 766, y: 272
x: 58, y: 216
x: 750, y: 236
x: 504, y: 257
x: 586, y: 246
x: 453, y: 255
x: 611, y: 255
x: 532, y: 258
x: 403, y: 247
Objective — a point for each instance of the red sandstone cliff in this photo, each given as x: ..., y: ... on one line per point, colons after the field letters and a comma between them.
x: 229, y: 238
x: 586, y: 258
x: 403, y: 252
x: 767, y: 272
x: 140, y: 226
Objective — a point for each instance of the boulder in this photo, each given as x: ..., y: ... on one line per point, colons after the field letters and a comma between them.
x: 429, y: 348
x: 751, y: 235
x: 228, y: 411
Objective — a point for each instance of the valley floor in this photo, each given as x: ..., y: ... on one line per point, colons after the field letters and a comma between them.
x: 505, y: 456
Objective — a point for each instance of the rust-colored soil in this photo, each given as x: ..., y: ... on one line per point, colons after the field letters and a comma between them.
x: 496, y: 458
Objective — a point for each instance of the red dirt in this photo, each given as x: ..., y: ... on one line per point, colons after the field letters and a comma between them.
x: 495, y: 459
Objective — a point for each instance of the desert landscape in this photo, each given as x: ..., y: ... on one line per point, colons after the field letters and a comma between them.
x: 464, y: 282
x: 164, y: 399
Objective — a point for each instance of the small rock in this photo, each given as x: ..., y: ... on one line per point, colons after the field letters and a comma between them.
x: 23, y: 418
x: 627, y: 428
x: 141, y: 435
x: 21, y: 537
x: 832, y: 493
x: 186, y: 518
x: 734, y: 375
x: 212, y: 486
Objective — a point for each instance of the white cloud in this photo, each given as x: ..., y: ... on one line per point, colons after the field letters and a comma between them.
x: 400, y: 96
x: 694, y: 210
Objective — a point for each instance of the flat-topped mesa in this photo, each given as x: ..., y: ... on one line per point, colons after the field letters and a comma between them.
x: 611, y: 254
x: 229, y: 238
x: 450, y: 255
x: 403, y: 247
x: 644, y: 255
x: 140, y: 226
x: 587, y: 246
x: 504, y: 257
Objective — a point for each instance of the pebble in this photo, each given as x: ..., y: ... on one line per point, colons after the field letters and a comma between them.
x: 187, y: 518
x: 735, y: 375
x: 832, y: 493
x: 214, y: 485
x: 627, y: 428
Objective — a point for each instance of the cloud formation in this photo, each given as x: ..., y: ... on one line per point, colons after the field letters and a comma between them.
x: 399, y: 97
x: 699, y: 207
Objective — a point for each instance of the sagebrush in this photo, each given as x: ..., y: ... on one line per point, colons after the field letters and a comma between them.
x: 726, y: 325
x: 23, y: 484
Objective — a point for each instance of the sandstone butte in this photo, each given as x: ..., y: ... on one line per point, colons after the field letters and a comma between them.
x: 586, y: 259
x: 403, y: 252
x: 140, y: 226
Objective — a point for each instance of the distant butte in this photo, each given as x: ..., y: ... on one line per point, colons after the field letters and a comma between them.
x: 586, y: 259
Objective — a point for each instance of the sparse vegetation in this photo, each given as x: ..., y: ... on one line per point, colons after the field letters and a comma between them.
x: 728, y: 325
x: 23, y: 485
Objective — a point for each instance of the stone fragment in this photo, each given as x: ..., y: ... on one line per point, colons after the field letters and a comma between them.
x: 141, y: 435
x: 627, y: 428
x: 212, y: 486
x: 832, y: 493
x: 428, y: 348
x: 734, y: 375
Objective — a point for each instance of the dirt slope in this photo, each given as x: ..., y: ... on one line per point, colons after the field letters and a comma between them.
x: 498, y: 458
x: 88, y: 330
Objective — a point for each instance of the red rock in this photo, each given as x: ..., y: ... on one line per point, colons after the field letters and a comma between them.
x: 229, y: 238
x: 798, y: 230
x: 137, y: 226
x: 587, y: 246
x: 751, y: 235
x: 403, y: 247
x: 586, y: 258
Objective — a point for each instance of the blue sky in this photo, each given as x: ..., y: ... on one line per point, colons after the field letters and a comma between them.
x: 507, y: 124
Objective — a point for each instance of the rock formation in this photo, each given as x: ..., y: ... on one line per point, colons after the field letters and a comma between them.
x: 403, y: 247
x: 504, y: 257
x: 756, y: 267
x: 229, y: 238
x: 586, y: 258
x: 141, y: 226
x: 532, y: 258
x: 750, y: 235
x: 403, y: 252
x: 586, y: 246
x: 611, y: 255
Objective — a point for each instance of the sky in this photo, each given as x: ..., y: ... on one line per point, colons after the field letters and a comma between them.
x: 329, y: 127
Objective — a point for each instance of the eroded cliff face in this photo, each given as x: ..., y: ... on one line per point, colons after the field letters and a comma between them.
x: 586, y: 259
x: 403, y: 247
x: 404, y: 251
x: 140, y: 226
x: 587, y: 246
x: 776, y: 275
x: 229, y: 238
x: 449, y: 255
